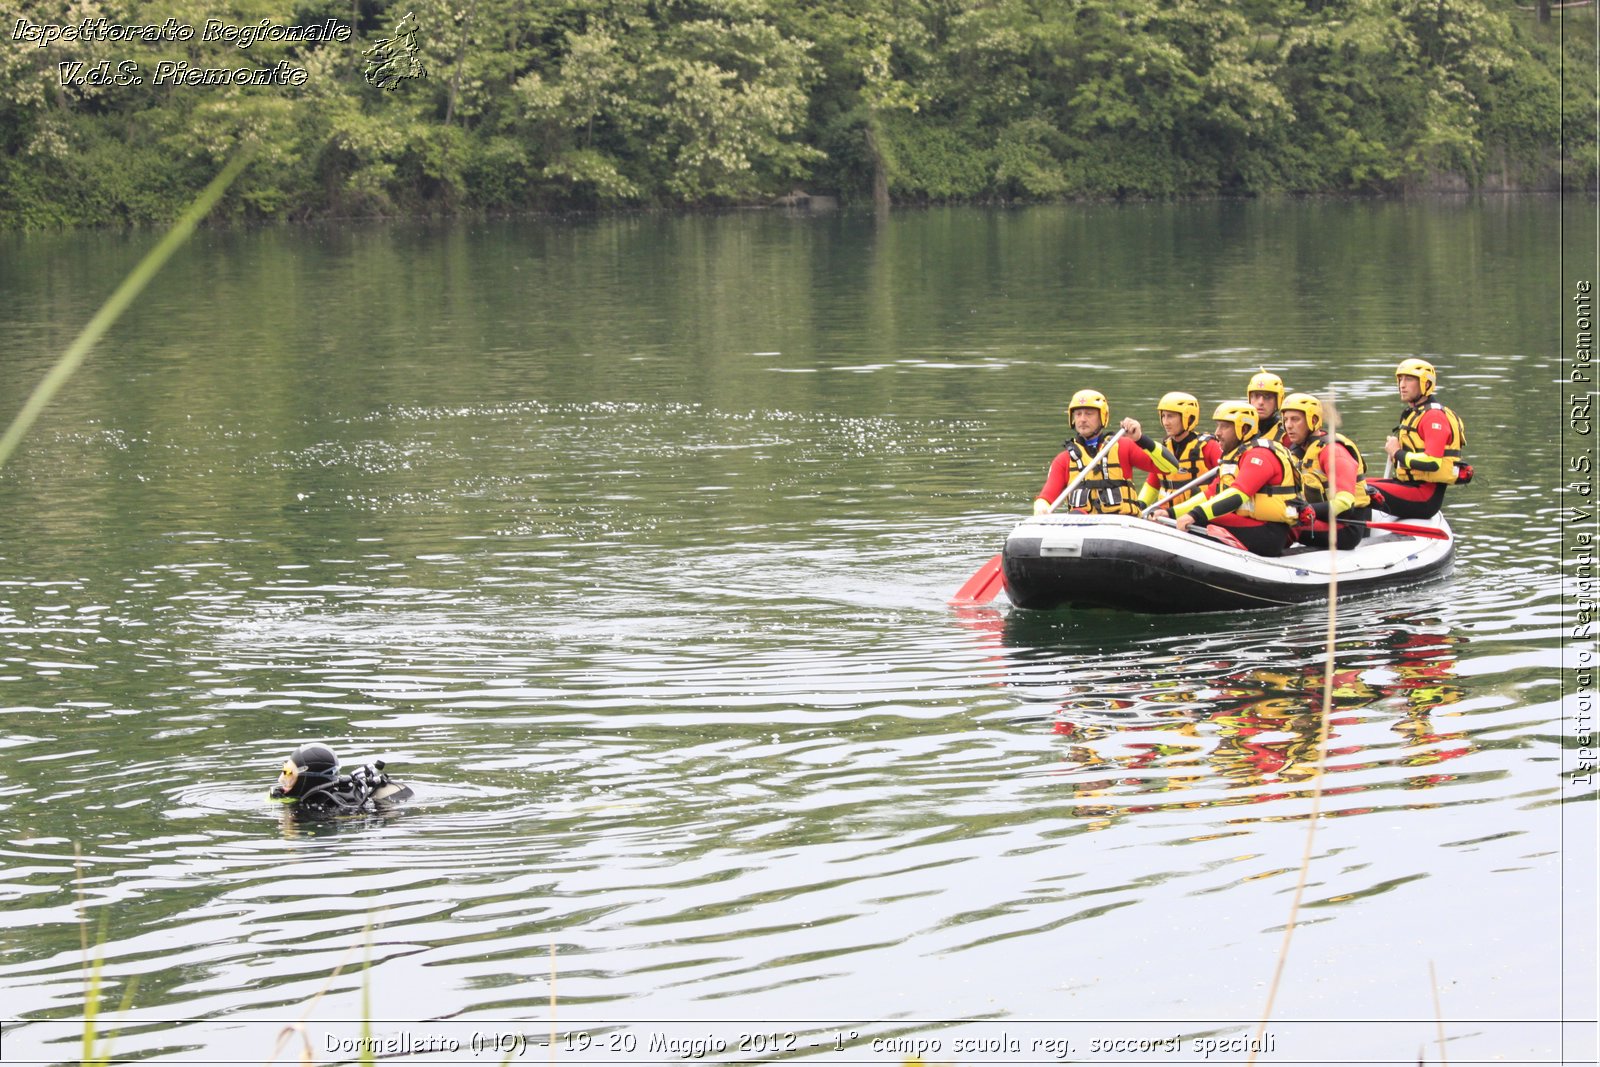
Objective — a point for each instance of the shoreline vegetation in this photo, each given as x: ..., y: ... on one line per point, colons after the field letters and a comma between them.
x: 114, y: 114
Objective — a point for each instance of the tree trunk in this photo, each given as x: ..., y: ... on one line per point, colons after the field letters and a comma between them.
x: 880, y: 168
x: 461, y: 58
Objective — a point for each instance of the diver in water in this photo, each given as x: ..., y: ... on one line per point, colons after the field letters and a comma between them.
x: 311, y: 781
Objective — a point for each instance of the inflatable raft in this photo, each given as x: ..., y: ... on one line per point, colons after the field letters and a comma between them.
x: 1123, y: 562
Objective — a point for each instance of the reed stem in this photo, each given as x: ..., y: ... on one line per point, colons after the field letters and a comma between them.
x: 116, y: 304
x: 1316, y: 785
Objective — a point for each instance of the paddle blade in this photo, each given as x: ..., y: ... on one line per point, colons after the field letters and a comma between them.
x: 1405, y: 528
x: 984, y: 585
x: 1411, y: 530
x: 1226, y: 536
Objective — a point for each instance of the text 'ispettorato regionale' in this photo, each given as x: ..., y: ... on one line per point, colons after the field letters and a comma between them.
x: 176, y: 72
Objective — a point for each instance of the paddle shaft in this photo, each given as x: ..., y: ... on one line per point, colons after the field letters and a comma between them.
x: 1206, y: 477
x: 1081, y: 475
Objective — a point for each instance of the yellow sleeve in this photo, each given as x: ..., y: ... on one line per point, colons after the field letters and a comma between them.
x: 1224, y: 503
x: 1164, y: 460
x: 1417, y: 461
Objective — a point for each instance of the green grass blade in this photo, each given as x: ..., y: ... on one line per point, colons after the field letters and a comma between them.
x: 113, y: 308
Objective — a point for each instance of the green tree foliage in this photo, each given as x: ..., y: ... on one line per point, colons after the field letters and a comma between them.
x: 543, y: 104
x: 592, y: 90
x: 693, y: 104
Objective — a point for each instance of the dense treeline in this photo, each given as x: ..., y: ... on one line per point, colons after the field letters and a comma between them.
x: 533, y: 104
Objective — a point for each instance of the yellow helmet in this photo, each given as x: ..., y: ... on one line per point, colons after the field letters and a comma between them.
x: 1266, y: 382
x: 1307, y: 405
x: 1242, y: 415
x: 1089, y: 398
x: 1421, y: 370
x: 1182, y: 404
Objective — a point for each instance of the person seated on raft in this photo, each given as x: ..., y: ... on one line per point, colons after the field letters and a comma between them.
x: 1265, y: 394
x: 1252, y: 494
x: 1108, y: 488
x: 1332, y: 472
x: 1193, y: 453
x: 1424, y: 450
x: 311, y: 781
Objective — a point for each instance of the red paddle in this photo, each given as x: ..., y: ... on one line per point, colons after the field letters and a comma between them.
x: 1406, y: 528
x: 983, y: 586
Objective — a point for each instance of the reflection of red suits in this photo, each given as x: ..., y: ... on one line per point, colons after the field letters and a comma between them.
x: 1267, y: 729
x: 1425, y: 655
x: 1271, y: 757
x: 1426, y: 666
x: 1267, y: 759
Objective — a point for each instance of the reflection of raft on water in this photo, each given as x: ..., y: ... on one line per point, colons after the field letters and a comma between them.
x: 1123, y: 562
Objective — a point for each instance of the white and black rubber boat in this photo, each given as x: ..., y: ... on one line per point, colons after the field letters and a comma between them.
x: 1120, y: 561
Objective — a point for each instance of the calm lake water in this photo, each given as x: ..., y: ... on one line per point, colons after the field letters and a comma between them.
x: 628, y: 543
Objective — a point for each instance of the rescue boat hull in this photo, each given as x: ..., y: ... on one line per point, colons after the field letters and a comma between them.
x: 1119, y: 561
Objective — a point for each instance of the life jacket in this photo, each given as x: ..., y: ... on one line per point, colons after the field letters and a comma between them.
x: 1411, y: 441
x: 1191, y: 460
x: 1272, y: 430
x: 1105, y: 490
x: 1314, y: 480
x: 1271, y: 503
x: 1227, y: 468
